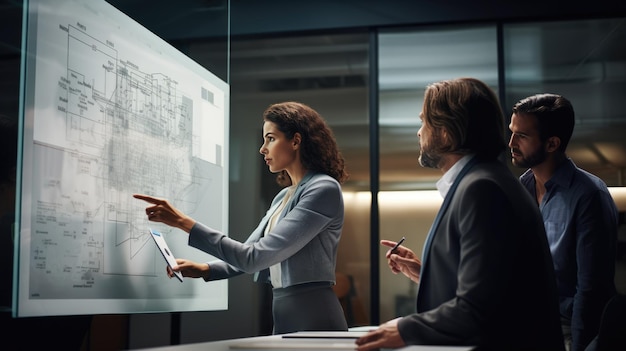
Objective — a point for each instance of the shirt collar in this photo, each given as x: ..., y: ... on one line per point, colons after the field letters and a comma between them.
x: 444, y: 184
x: 563, y: 174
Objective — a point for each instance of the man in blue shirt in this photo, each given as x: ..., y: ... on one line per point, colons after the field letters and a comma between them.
x: 579, y: 214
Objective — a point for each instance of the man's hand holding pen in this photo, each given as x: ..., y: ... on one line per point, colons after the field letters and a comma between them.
x: 402, y: 260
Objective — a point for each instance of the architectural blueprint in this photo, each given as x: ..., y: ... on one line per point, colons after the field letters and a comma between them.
x: 113, y: 111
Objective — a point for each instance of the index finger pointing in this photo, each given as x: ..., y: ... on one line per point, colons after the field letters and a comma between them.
x: 146, y: 198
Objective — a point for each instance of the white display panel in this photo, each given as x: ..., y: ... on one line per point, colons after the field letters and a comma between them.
x: 110, y: 109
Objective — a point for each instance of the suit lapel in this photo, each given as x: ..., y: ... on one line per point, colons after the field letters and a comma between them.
x: 440, y: 213
x: 264, y: 274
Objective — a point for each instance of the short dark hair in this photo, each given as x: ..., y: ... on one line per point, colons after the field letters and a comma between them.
x: 554, y: 115
x: 470, y: 112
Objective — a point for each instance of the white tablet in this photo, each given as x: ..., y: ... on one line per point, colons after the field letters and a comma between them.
x: 167, y: 253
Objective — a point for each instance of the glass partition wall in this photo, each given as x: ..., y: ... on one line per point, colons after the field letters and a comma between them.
x: 583, y: 60
x: 330, y: 74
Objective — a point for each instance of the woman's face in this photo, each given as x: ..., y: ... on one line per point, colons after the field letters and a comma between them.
x: 279, y: 152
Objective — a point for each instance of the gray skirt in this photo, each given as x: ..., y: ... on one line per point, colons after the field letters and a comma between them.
x: 307, y: 307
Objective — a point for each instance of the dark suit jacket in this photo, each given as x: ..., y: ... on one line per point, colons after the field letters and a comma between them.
x: 488, y: 279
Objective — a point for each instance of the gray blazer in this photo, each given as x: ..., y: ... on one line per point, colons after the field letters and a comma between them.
x: 304, y: 239
x: 488, y: 278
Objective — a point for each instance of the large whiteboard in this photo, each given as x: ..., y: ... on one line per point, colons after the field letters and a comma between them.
x: 110, y: 109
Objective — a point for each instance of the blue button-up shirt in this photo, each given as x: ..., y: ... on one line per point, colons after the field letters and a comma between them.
x: 581, y: 221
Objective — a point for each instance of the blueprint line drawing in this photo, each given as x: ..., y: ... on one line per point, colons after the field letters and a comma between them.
x: 110, y: 119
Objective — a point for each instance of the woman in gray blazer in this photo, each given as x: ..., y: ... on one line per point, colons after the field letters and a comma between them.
x: 295, y: 245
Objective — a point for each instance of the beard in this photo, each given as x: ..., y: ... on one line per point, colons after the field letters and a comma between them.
x: 429, y: 158
x: 531, y: 160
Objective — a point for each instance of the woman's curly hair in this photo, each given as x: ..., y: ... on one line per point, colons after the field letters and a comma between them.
x: 318, y: 148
